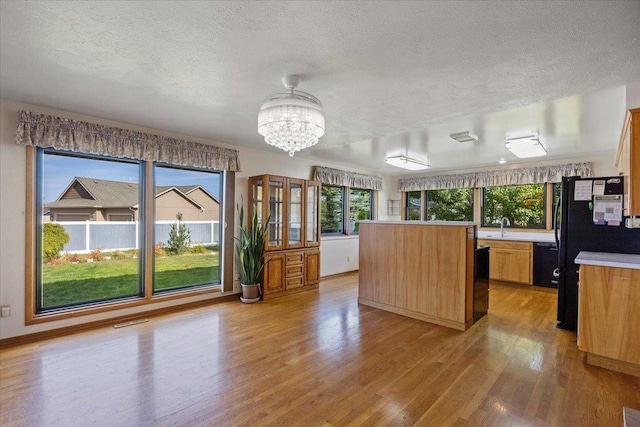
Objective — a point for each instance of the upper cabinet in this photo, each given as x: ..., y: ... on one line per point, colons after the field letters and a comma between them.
x: 628, y: 161
x: 293, y: 206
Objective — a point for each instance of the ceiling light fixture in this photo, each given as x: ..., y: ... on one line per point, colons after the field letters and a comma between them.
x: 291, y: 121
x: 526, y: 146
x: 464, y: 136
x: 502, y: 161
x: 407, y: 163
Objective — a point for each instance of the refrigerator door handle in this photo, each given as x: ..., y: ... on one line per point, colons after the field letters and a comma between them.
x: 555, y: 221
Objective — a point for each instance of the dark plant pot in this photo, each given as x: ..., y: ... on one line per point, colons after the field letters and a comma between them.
x: 250, y: 293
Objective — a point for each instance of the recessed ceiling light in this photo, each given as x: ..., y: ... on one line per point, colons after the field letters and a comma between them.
x: 407, y: 163
x: 464, y: 136
x: 526, y: 146
x: 502, y: 161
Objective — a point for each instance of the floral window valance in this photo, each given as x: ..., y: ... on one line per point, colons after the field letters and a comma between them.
x: 45, y: 131
x: 535, y: 175
x: 342, y: 178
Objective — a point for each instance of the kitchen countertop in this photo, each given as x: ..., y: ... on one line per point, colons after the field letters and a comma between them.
x: 606, y: 259
x: 517, y: 235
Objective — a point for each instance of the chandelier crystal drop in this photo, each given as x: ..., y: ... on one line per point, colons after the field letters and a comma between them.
x: 291, y: 121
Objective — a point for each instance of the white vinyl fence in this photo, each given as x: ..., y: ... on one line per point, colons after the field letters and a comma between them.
x: 85, y: 236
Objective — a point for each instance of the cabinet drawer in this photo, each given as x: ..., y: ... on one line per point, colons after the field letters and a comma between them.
x: 295, y: 282
x: 294, y: 270
x: 503, y: 244
x: 295, y: 258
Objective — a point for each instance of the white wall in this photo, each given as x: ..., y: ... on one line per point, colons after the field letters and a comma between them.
x: 338, y: 254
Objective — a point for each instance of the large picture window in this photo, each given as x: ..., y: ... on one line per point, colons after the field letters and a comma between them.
x: 90, y: 239
x: 523, y: 205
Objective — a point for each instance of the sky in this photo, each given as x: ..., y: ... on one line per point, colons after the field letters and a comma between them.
x: 59, y: 171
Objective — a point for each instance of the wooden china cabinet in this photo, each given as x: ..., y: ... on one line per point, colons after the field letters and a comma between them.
x: 292, y: 250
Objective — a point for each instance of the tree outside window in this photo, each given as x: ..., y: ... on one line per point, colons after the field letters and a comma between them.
x: 360, y: 207
x: 450, y: 205
x: 523, y: 205
x: 331, y: 209
x: 412, y: 205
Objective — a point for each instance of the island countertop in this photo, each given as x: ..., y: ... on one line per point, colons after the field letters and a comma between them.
x: 455, y: 223
x: 606, y: 259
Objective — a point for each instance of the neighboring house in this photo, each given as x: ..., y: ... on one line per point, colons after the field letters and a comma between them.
x: 91, y: 199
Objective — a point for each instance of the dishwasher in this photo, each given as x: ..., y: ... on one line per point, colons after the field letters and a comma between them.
x: 545, y: 262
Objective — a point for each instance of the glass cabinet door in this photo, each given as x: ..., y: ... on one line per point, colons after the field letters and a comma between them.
x: 312, y: 214
x: 276, y: 212
x: 257, y: 197
x: 295, y: 213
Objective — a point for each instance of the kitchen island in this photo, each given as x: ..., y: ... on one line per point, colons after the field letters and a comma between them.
x: 419, y: 269
x: 608, y: 315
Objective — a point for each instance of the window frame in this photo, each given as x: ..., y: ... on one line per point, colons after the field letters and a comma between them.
x: 33, y: 221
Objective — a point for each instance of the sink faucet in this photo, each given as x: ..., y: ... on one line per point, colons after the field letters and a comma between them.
x: 502, y: 221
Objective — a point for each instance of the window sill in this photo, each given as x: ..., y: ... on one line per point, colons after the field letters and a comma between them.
x: 113, y: 306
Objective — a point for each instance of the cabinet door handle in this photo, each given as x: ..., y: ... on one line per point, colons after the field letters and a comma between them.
x: 556, y: 272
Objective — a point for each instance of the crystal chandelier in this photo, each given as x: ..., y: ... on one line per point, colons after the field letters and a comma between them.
x: 291, y: 121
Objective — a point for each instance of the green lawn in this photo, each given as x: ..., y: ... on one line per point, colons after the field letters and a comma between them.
x: 77, y: 283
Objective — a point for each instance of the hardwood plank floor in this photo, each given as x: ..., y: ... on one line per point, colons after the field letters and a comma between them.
x: 317, y: 359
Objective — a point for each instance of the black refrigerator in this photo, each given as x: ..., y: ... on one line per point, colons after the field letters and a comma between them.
x: 587, y: 222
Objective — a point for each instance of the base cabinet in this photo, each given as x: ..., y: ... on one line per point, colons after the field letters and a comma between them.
x: 608, y: 317
x: 288, y: 272
x: 510, y: 261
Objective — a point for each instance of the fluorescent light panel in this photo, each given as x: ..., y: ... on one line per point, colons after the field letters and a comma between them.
x: 407, y: 163
x: 526, y: 146
x: 464, y: 136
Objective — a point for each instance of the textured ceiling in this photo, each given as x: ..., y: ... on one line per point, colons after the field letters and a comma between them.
x: 393, y: 77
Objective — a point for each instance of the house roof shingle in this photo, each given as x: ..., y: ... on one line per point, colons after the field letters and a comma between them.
x: 110, y: 194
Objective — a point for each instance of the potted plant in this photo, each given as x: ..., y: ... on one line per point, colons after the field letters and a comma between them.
x: 250, y: 251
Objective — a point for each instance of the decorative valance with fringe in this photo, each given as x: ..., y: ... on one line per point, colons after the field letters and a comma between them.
x: 342, y: 178
x: 535, y: 175
x: 45, y: 131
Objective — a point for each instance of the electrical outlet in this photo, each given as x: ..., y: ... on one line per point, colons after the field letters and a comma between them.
x: 348, y: 259
x: 5, y: 311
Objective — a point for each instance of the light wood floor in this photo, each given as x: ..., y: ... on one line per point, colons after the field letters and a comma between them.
x: 317, y: 359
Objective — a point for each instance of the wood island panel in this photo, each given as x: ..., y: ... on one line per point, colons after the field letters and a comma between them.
x: 418, y: 270
x: 608, y: 317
